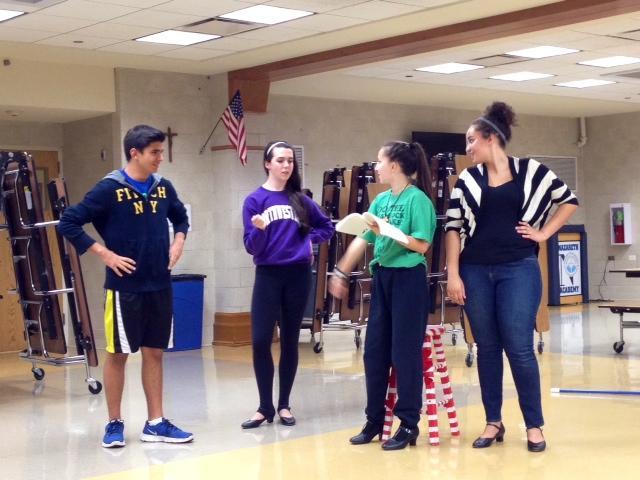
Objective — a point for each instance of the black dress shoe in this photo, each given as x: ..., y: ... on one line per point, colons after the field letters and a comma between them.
x: 368, y: 433
x: 251, y: 423
x: 287, y: 421
x: 481, y: 442
x: 404, y: 436
x: 536, y: 446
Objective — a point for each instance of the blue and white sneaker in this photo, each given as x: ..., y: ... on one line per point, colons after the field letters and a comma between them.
x: 114, y: 434
x: 166, y: 432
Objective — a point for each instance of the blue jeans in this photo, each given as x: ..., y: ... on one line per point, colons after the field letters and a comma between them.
x: 502, y: 303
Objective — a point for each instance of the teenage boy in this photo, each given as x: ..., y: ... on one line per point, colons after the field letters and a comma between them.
x: 129, y: 209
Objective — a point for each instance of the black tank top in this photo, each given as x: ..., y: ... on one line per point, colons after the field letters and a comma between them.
x: 495, y: 239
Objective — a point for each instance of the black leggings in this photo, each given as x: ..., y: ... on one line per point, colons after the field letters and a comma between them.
x: 279, y: 294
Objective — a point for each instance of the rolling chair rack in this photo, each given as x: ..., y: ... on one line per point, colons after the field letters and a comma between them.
x: 21, y: 206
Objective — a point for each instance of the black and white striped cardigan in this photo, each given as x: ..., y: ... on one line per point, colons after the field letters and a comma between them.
x: 542, y: 189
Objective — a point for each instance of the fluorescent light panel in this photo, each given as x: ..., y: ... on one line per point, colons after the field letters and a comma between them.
x: 607, y: 62
x: 177, y: 37
x: 449, y: 68
x: 542, y: 52
x: 266, y: 14
x: 521, y: 76
x: 590, y: 82
x: 7, y: 14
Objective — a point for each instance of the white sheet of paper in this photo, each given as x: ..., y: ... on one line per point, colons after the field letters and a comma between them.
x: 387, y: 229
x: 356, y: 224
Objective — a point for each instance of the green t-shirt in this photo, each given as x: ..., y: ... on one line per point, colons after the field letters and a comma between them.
x: 413, y: 213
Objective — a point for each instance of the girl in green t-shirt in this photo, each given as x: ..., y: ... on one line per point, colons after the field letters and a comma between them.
x: 400, y: 293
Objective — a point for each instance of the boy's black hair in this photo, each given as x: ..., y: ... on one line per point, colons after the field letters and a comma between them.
x: 140, y: 137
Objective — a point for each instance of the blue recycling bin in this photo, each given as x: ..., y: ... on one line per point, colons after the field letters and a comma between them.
x: 188, y: 304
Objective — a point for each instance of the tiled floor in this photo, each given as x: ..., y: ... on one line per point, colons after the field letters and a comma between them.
x: 52, y: 429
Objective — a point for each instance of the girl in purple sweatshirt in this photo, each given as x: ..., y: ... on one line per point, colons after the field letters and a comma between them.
x: 280, y: 223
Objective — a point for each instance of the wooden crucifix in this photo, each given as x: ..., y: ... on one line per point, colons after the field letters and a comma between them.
x: 170, y: 136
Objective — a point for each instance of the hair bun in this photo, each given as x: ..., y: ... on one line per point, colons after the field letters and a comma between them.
x: 501, y: 113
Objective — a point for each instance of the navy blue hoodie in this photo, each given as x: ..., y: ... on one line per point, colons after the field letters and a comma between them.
x: 131, y: 226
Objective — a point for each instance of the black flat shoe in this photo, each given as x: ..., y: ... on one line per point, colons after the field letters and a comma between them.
x: 404, y: 436
x: 287, y: 421
x: 481, y: 442
x: 251, y: 423
x: 536, y: 446
x: 368, y: 433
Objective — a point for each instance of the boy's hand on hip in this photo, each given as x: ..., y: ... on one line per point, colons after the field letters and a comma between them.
x: 118, y: 264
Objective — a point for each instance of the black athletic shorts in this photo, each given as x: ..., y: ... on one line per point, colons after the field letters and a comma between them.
x: 134, y: 320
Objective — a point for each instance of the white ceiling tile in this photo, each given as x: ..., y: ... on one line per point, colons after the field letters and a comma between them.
x: 276, y: 34
x: 26, y: 7
x: 68, y: 39
x: 234, y: 43
x: 88, y: 10
x: 116, y: 30
x: 630, y: 49
x: 40, y: 21
x: 155, y: 18
x: 597, y: 42
x: 376, y: 10
x: 130, y: 3
x: 138, y: 48
x: 324, y: 22
x: 317, y: 6
x: 13, y: 34
x: 554, y: 36
x: 196, y: 54
x: 427, y: 3
x: 206, y: 8
x: 608, y: 26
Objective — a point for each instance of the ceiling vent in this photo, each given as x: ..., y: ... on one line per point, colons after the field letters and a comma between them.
x: 629, y: 74
x: 221, y: 26
x: 628, y: 35
x: 497, y: 60
x: 33, y: 3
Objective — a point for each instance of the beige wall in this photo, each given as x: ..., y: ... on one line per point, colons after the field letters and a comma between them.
x: 82, y: 168
x: 25, y: 135
x: 81, y: 90
x: 611, y: 175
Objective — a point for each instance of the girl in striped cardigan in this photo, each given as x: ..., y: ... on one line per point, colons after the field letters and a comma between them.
x: 498, y: 213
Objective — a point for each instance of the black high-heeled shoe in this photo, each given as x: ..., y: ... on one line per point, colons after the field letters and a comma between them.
x: 536, y: 446
x: 482, y: 442
x: 404, y: 436
x: 287, y: 421
x: 368, y: 433
x: 255, y: 423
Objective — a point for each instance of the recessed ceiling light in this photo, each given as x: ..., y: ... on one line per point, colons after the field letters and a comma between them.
x: 542, y: 52
x: 611, y: 61
x: 590, y: 82
x: 177, y: 37
x: 449, y: 68
x: 7, y: 14
x: 521, y: 76
x: 266, y: 14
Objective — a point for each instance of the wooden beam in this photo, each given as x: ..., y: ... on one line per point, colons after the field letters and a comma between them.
x: 499, y: 26
x: 255, y: 93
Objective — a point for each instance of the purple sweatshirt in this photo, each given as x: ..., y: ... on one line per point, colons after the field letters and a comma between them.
x: 281, y: 243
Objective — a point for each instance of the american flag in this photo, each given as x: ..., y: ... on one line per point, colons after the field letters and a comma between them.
x: 233, y: 119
